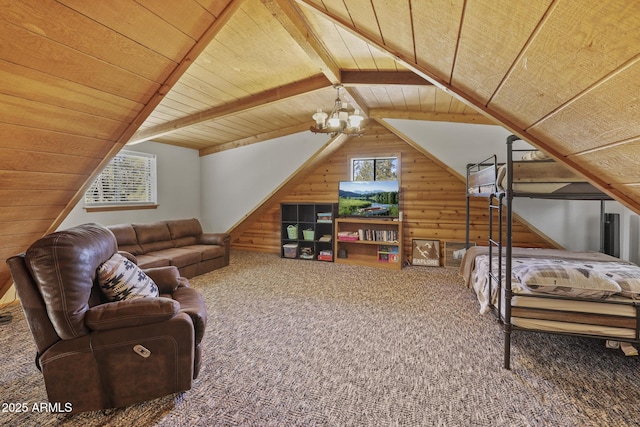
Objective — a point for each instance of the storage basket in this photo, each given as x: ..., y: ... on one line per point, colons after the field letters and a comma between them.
x: 290, y: 250
x: 292, y: 231
x: 308, y: 234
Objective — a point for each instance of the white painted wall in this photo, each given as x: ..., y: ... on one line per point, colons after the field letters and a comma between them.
x: 222, y: 188
x: 235, y: 182
x: 573, y: 224
x: 178, y: 190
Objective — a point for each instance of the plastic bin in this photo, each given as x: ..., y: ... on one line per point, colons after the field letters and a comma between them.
x: 308, y: 234
x: 290, y: 250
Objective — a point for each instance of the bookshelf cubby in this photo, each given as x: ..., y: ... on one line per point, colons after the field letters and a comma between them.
x: 369, y: 242
x: 313, y: 237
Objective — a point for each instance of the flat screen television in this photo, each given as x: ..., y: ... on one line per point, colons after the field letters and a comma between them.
x: 375, y: 199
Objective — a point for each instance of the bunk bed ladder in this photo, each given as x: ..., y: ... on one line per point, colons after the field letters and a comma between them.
x: 495, y: 243
x: 496, y: 278
x: 508, y: 293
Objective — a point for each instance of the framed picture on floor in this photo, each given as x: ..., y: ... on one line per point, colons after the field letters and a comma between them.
x: 453, y: 253
x: 425, y: 252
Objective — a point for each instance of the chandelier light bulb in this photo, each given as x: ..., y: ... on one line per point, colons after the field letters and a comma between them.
x: 320, y: 117
x: 355, y: 119
x: 338, y: 120
x: 334, y: 121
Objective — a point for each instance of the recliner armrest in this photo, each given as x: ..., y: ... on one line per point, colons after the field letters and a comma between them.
x: 128, y: 255
x: 167, y: 278
x: 192, y: 303
x: 222, y: 239
x: 129, y: 313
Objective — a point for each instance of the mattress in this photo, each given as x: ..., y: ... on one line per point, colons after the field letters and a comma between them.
x: 538, y: 181
x: 610, y: 314
x: 573, y: 328
x: 537, y: 175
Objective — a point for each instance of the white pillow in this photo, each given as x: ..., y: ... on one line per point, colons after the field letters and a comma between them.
x: 535, y: 155
x: 120, y: 279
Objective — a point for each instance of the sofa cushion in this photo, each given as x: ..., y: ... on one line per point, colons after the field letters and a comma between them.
x: 207, y: 251
x: 185, y: 241
x: 149, y: 261
x: 157, y: 246
x: 126, y: 238
x: 153, y: 237
x: 179, y: 257
x: 155, y: 241
x: 120, y: 279
x: 184, y: 228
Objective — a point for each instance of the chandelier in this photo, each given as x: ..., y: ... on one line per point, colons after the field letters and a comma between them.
x: 340, y: 120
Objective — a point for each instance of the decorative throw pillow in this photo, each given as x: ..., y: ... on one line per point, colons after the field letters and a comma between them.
x: 625, y: 274
x: 120, y: 279
x: 564, y: 277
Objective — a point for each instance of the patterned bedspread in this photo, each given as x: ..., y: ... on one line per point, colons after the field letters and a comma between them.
x: 569, y: 274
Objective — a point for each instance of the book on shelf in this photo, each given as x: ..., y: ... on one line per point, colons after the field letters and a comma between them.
x: 378, y: 235
x: 325, y: 255
x: 389, y: 249
x: 348, y: 235
x: 324, y: 217
x: 388, y: 253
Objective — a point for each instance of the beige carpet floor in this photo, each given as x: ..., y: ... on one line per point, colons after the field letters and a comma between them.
x: 305, y: 343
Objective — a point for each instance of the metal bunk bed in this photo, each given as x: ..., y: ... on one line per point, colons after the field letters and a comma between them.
x: 611, y: 318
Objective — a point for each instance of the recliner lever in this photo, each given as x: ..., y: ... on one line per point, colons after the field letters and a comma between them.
x: 142, y: 351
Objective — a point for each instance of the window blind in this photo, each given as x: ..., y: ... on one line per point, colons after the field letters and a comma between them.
x: 129, y: 179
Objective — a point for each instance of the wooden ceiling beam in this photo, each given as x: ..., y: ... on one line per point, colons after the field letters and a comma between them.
x: 357, y: 102
x: 182, y: 67
x: 352, y: 78
x: 282, y: 93
x: 381, y: 114
x: 288, y: 14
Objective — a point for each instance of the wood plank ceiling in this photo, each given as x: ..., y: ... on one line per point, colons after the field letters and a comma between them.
x: 80, y: 79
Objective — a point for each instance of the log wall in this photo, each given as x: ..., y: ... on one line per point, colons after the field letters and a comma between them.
x: 432, y: 198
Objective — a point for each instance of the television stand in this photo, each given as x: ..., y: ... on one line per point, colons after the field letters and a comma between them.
x: 369, y: 242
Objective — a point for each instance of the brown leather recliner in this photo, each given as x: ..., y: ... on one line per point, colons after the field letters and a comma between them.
x: 96, y: 354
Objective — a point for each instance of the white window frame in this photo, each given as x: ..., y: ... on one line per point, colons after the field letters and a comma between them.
x: 119, y: 167
x: 355, y: 159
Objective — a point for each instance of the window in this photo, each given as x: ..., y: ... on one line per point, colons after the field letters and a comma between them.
x: 376, y: 169
x: 129, y: 180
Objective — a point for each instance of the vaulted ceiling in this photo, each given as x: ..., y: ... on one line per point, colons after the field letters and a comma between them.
x: 80, y: 79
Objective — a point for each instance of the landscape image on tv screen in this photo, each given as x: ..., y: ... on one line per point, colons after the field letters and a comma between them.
x: 368, y: 199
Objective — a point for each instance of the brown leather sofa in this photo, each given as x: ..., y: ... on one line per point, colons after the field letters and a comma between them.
x: 96, y: 354
x: 180, y: 243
